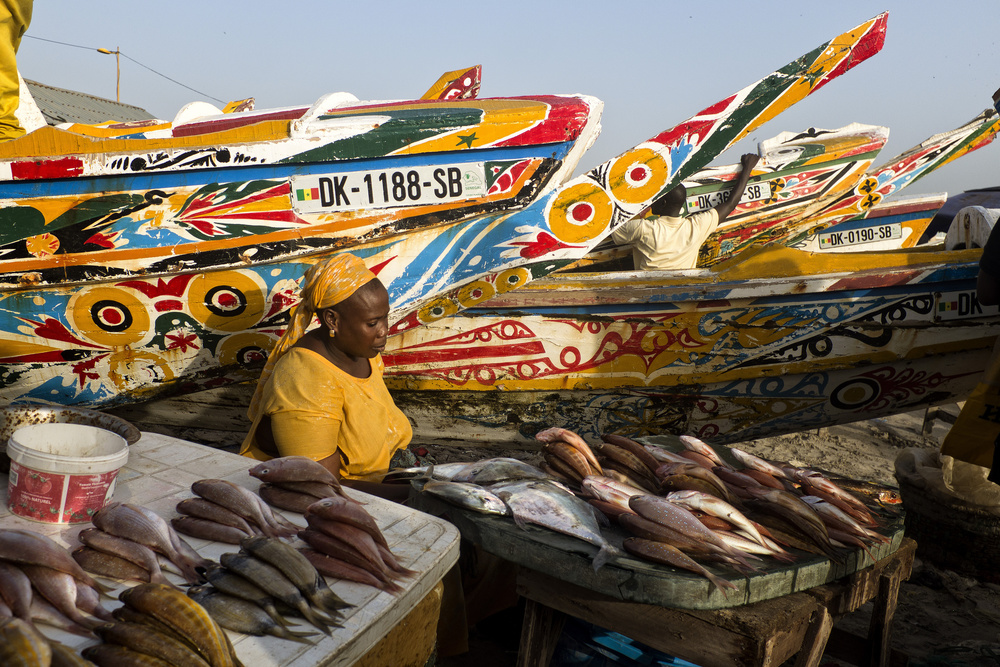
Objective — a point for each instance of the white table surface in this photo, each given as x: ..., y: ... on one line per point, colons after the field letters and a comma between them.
x: 159, y: 474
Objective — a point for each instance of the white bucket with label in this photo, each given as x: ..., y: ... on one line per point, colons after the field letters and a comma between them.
x: 62, y: 473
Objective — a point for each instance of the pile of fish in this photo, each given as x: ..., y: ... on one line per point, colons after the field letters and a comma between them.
x: 40, y: 582
x: 160, y: 625
x: 253, y: 590
x: 294, y: 483
x: 22, y: 645
x: 346, y: 543
x: 125, y: 542
x: 677, y: 508
x: 227, y: 512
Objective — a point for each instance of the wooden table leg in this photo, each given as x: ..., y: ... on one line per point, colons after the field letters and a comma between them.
x: 884, y: 608
x: 540, y: 632
x: 814, y: 642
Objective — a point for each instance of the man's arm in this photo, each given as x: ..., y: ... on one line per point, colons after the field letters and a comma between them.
x: 725, y: 208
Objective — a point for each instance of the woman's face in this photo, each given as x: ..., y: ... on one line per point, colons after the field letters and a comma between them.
x: 362, y: 322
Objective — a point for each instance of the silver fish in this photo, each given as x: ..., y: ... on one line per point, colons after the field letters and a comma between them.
x: 497, y: 470
x: 549, y: 505
x: 468, y: 496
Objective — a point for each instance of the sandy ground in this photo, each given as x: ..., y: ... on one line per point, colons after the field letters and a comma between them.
x: 942, y: 618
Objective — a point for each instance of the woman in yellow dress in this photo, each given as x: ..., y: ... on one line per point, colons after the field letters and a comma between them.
x: 321, y: 394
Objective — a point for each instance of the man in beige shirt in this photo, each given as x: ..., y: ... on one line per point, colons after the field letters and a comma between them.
x: 666, y: 241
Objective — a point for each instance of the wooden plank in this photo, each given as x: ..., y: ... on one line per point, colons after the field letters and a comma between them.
x: 759, y: 635
x: 540, y: 633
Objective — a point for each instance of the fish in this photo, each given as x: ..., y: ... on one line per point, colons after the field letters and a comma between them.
x: 294, y: 469
x: 108, y: 655
x: 660, y: 552
x: 131, y: 551
x: 547, y: 505
x: 89, y: 600
x: 680, y: 519
x: 751, y: 462
x: 59, y: 588
x: 338, y: 569
x: 142, y: 639
x: 556, y: 434
x: 30, y: 548
x: 362, y: 541
x: 230, y: 583
x: 610, y: 510
x: 271, y: 580
x: 243, y: 502
x: 571, y: 457
x: 282, y: 498
x: 695, y: 445
x: 335, y: 547
x: 634, y: 466
x: 207, y: 530
x: 64, y: 656
x: 206, y: 509
x: 42, y: 611
x: 467, y: 496
x: 797, y: 513
x: 697, y: 459
x: 298, y: 570
x: 497, y: 470
x: 663, y: 455
x: 239, y: 615
x: 127, y: 522
x: 835, y: 517
x: 185, y: 617
x: 440, y: 471
x: 718, y: 508
x: 709, y: 481
x: 15, y: 589
x: 817, y: 484
x: 186, y: 551
x: 21, y: 645
x: 339, y: 509
x: 317, y: 490
x: 610, y: 490
x: 637, y: 449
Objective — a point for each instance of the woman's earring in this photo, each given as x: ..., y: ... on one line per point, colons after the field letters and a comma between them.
x: 333, y: 334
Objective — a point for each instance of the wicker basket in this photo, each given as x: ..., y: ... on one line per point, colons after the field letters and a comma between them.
x: 951, y: 534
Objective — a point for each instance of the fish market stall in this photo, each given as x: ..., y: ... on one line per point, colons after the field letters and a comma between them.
x: 758, y: 615
x: 160, y: 472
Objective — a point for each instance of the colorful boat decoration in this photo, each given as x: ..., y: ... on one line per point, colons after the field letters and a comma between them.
x: 139, y: 260
x: 774, y: 341
x: 889, y: 225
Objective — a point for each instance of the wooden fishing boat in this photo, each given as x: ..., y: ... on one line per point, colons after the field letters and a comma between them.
x: 773, y: 341
x: 889, y: 225
x: 139, y: 260
x: 854, y: 203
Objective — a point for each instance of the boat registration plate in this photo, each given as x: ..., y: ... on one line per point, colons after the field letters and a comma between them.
x: 703, y: 202
x: 386, y: 188
x: 860, y: 236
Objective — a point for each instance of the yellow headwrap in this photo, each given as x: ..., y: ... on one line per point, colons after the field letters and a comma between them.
x: 325, y: 285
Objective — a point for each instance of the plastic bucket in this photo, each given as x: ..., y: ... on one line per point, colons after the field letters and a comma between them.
x: 62, y: 473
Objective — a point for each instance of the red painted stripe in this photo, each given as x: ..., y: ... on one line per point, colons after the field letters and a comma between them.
x: 35, y: 169
x: 479, y: 353
x: 233, y: 121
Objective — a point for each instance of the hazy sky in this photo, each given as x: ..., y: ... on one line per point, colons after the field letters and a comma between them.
x: 653, y: 63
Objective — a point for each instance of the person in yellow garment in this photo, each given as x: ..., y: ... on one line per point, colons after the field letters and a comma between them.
x: 667, y: 241
x: 321, y: 394
x: 15, y: 15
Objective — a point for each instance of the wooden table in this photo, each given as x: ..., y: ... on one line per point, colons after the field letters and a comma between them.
x: 771, y: 616
x: 159, y: 474
x: 763, y: 634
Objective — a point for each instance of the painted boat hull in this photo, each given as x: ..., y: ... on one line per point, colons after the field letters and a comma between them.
x: 724, y: 355
x: 113, y: 300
